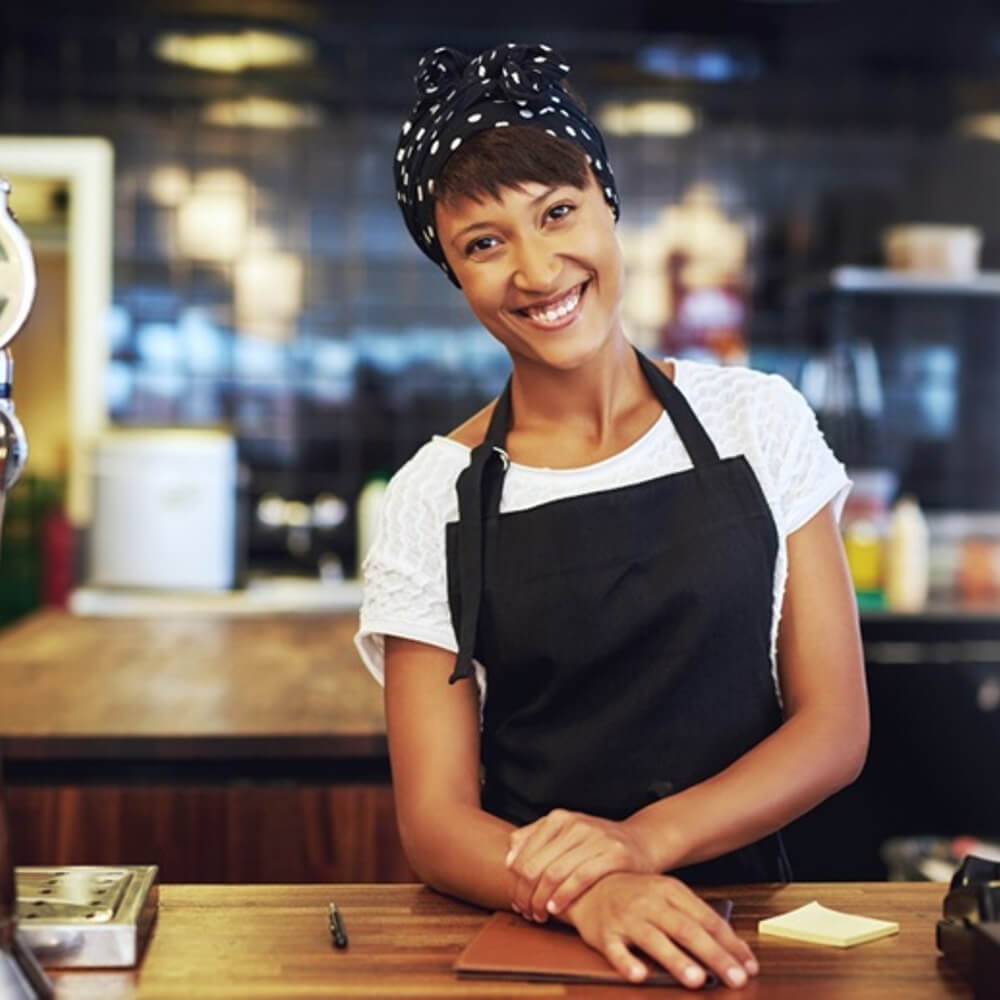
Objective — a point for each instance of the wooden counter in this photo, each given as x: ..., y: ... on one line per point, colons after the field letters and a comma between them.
x: 222, y: 749
x: 271, y: 943
x: 183, y: 688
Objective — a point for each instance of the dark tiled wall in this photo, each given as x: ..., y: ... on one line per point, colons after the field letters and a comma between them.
x: 383, y: 351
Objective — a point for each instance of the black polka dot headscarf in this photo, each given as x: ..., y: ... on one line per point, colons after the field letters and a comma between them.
x: 509, y: 85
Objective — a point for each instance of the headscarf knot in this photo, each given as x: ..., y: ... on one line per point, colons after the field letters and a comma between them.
x: 509, y: 72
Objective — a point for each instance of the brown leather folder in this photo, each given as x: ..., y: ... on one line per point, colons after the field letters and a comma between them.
x: 509, y: 947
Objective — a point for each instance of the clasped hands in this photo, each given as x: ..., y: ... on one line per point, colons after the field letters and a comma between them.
x: 601, y: 877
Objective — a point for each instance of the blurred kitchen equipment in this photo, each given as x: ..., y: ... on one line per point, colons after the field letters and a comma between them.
x: 87, y: 917
x: 948, y: 251
x: 20, y: 974
x: 164, y: 510
x: 17, y: 292
x: 969, y: 932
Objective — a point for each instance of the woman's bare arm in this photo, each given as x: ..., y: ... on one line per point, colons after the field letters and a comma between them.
x: 822, y: 744
x: 433, y: 729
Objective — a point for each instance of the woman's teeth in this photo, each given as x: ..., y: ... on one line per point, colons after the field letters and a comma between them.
x: 554, y: 313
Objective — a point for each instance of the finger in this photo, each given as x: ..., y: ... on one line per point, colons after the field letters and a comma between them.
x: 530, y: 867
x: 623, y: 961
x: 561, y: 860
x: 660, y: 947
x: 531, y: 894
x: 584, y: 873
x: 534, y: 835
x: 705, y: 948
x: 536, y: 858
x: 722, y: 931
x: 695, y: 907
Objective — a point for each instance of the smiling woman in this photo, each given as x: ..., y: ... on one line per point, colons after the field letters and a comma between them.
x: 628, y: 570
x: 536, y: 255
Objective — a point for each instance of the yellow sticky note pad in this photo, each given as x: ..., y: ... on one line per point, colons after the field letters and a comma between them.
x: 818, y: 925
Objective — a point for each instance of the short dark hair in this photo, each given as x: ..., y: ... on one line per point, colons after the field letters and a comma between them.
x: 500, y: 158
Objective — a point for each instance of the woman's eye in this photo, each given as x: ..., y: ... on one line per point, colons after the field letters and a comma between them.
x: 482, y: 244
x: 560, y: 211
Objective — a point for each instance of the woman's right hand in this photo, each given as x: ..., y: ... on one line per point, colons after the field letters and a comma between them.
x: 663, y: 917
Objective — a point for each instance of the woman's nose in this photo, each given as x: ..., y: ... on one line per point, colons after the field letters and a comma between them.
x: 537, y: 266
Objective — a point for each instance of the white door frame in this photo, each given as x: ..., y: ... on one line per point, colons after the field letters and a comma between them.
x: 86, y: 165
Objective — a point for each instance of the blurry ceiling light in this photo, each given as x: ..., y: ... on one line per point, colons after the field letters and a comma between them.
x: 261, y: 112
x: 223, y: 179
x: 985, y: 125
x: 169, y: 185
x: 648, y: 118
x: 268, y: 293
x: 234, y: 52
x: 212, y: 220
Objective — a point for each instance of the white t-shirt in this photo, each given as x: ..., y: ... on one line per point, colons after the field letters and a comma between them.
x: 743, y: 411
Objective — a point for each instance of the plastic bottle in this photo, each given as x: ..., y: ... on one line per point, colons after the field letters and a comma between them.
x: 907, y: 557
x: 864, y: 544
x: 367, y: 515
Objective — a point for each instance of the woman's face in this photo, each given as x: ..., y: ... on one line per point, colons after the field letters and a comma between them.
x: 541, y: 268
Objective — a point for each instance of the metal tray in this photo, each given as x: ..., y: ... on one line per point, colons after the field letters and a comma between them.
x: 86, y: 917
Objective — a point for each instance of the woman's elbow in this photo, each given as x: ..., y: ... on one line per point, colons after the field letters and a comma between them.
x: 852, y: 751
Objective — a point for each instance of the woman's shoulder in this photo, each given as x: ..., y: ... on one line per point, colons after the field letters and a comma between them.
x: 734, y: 389
x: 472, y: 431
x: 745, y: 410
x: 427, y: 479
x: 440, y: 455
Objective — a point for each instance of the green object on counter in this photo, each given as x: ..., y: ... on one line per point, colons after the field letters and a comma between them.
x: 21, y: 545
x: 870, y: 600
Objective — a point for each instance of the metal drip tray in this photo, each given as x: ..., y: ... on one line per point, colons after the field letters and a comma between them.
x: 82, y: 916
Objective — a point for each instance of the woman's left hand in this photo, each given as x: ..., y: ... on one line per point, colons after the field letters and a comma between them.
x: 560, y: 856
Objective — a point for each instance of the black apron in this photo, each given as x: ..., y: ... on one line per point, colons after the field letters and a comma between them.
x: 625, y: 635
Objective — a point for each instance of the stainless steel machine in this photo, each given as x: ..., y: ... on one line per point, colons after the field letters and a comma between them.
x: 20, y: 973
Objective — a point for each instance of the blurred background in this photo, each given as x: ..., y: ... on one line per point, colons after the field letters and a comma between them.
x: 261, y: 280
x: 235, y: 341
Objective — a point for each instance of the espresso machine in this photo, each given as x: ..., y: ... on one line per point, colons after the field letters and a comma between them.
x: 20, y: 974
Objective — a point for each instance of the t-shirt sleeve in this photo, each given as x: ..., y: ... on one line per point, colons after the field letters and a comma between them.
x: 804, y: 470
x: 404, y: 575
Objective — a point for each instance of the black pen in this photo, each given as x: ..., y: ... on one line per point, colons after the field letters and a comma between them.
x: 337, y: 931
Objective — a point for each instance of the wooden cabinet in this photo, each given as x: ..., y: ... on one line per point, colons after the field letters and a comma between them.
x: 239, y: 832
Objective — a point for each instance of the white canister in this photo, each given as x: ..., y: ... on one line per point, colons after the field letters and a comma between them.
x: 164, y: 510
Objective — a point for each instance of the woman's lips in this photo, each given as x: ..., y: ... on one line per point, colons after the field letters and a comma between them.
x: 558, y: 314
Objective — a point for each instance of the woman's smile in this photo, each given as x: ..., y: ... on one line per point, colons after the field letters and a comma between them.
x: 557, y: 313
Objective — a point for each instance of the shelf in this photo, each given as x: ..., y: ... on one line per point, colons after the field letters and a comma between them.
x: 881, y: 281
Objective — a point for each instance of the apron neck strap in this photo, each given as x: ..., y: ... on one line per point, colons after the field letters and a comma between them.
x: 699, y: 445
x: 479, y: 487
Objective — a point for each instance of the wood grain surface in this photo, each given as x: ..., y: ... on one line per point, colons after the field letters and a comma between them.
x: 232, y: 832
x: 272, y: 943
x: 290, y: 685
